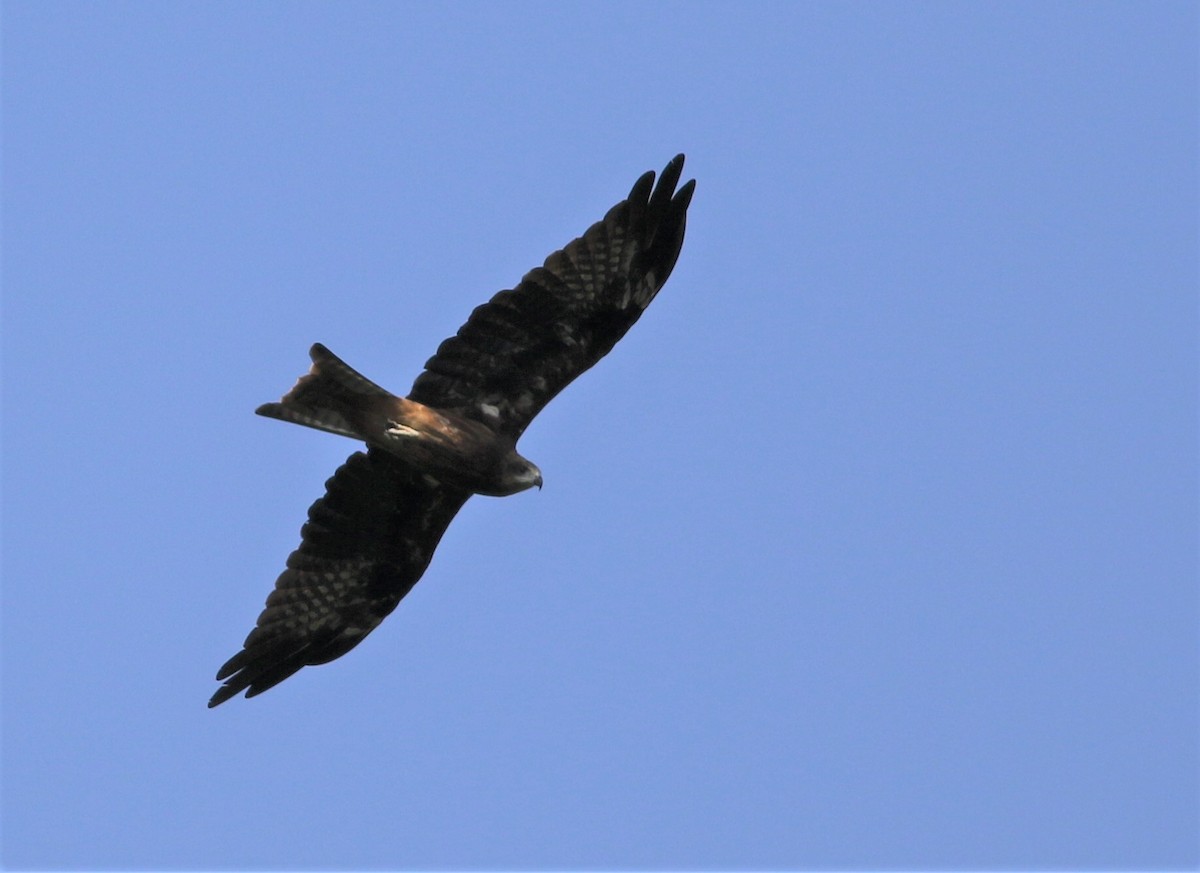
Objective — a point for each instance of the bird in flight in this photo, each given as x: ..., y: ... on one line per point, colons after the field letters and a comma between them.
x: 369, y: 539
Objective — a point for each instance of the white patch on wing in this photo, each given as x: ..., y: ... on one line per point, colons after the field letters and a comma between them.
x: 565, y: 334
x: 490, y: 410
x: 400, y: 430
x: 646, y: 291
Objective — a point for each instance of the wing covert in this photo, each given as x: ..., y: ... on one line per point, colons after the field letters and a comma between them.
x: 518, y: 350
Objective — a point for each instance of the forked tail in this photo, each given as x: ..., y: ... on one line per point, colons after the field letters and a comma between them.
x: 332, y: 396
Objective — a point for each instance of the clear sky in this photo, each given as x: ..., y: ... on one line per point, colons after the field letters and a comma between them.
x: 873, y: 545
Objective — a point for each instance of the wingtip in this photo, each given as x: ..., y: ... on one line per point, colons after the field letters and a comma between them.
x: 640, y: 192
x: 675, y: 168
x: 683, y: 196
x: 223, y: 694
x: 646, y: 193
x: 668, y: 179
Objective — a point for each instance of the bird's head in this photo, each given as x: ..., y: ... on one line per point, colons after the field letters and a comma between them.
x: 518, y: 474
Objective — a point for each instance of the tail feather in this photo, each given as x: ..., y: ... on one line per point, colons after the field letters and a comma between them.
x: 327, y: 364
x: 331, y: 396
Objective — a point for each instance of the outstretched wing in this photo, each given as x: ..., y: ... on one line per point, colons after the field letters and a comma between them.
x: 365, y: 545
x: 518, y: 350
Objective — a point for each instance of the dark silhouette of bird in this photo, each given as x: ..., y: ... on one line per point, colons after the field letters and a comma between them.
x: 370, y: 537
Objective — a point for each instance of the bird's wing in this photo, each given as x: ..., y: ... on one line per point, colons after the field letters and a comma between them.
x: 518, y: 350
x: 365, y: 545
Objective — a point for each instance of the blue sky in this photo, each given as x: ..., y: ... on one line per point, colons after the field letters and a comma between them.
x: 873, y: 545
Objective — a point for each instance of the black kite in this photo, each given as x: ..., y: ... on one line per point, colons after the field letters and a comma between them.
x: 369, y: 539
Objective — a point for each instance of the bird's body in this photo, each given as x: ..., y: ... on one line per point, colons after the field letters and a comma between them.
x: 370, y: 538
x: 457, y: 451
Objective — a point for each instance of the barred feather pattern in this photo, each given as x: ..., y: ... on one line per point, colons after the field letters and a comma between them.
x: 521, y: 348
x: 364, y: 546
